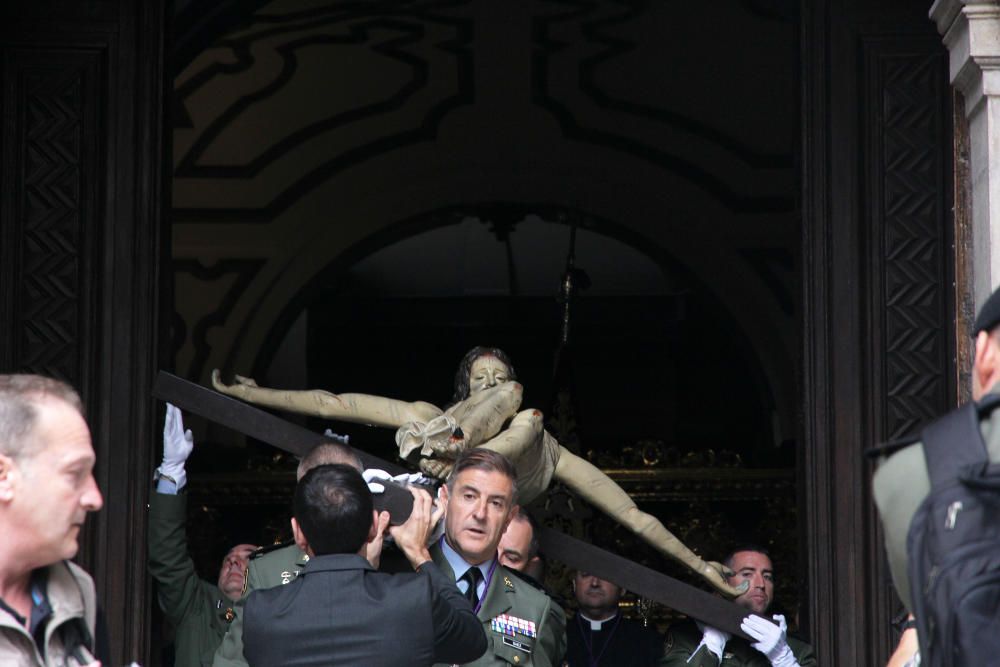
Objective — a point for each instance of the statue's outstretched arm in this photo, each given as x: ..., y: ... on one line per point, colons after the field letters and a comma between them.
x: 601, y: 491
x: 463, y: 426
x: 482, y: 415
x: 357, y: 408
x: 518, y: 439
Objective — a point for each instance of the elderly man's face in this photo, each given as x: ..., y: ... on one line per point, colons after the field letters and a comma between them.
x: 234, y: 567
x: 56, y: 487
x: 487, y: 371
x: 756, y: 568
x: 480, y: 505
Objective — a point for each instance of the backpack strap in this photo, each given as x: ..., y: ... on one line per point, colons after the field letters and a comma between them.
x: 954, y: 441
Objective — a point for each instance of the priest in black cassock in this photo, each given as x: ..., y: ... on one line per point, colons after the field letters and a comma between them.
x: 600, y: 636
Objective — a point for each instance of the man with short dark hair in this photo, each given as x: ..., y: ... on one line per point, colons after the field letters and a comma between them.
x: 340, y: 610
x: 522, y: 624
x: 281, y: 564
x: 519, y: 546
x: 693, y: 643
x: 48, y: 609
x: 600, y: 636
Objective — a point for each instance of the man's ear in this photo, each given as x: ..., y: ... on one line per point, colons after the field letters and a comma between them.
x: 986, y: 368
x: 300, y: 538
x: 8, y: 473
x: 373, y: 529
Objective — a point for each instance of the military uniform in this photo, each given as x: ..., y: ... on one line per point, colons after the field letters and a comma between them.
x: 685, y: 636
x: 522, y: 624
x: 901, y: 483
x: 198, y: 610
x: 616, y: 642
x: 269, y: 567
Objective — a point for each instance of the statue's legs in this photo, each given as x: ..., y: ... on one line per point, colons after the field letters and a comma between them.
x: 601, y: 491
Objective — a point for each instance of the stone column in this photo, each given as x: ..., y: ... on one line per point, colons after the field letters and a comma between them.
x: 971, y: 31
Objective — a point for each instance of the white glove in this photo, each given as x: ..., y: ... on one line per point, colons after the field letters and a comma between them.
x: 372, y: 474
x: 342, y: 439
x: 713, y: 639
x: 177, y: 446
x: 771, y: 639
x: 412, y: 478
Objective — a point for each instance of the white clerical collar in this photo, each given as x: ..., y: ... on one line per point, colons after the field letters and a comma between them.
x: 459, y: 565
x: 595, y: 626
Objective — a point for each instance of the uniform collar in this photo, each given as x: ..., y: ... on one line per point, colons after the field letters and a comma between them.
x: 458, y: 564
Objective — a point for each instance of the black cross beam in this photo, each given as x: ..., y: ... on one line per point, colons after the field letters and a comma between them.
x: 256, y: 423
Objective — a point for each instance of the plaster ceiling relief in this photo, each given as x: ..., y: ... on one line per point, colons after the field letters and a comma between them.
x: 719, y: 108
x: 304, y: 95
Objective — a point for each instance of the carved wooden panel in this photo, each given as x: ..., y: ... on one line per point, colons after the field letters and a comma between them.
x: 909, y: 182
x: 50, y: 146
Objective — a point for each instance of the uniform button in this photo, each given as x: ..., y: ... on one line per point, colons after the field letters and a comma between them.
x: 517, y: 659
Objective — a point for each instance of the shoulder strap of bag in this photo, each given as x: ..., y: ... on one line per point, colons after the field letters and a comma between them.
x: 954, y: 441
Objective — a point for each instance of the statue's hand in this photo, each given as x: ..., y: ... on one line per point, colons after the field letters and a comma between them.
x: 436, y: 468
x: 450, y: 446
x: 233, y: 389
x: 245, y: 381
x: 716, y: 573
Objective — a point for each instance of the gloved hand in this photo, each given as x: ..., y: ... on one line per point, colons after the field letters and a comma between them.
x: 713, y: 639
x: 177, y: 446
x: 771, y: 639
x: 371, y: 475
x: 342, y: 439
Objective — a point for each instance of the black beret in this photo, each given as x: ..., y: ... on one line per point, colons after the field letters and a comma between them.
x: 989, y: 314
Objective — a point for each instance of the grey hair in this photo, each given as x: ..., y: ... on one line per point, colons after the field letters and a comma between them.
x: 20, y: 396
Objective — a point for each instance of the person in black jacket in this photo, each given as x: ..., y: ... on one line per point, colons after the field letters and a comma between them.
x: 340, y: 610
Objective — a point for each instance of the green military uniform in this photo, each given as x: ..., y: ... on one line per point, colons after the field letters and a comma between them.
x: 197, y: 609
x: 268, y: 568
x: 685, y: 636
x: 901, y: 483
x: 510, y: 603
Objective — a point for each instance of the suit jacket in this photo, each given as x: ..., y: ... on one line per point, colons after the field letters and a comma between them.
x: 508, y: 600
x: 269, y: 567
x: 341, y: 611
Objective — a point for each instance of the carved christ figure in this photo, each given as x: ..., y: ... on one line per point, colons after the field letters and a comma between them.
x: 484, y: 413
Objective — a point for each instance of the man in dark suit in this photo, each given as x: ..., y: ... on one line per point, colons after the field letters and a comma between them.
x: 339, y: 610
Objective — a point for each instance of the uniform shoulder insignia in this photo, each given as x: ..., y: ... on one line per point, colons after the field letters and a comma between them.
x: 537, y: 585
x: 260, y: 551
x: 531, y: 581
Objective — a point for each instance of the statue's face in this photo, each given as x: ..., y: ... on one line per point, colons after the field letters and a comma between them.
x: 487, y: 371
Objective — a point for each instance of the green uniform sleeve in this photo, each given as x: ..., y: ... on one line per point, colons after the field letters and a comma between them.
x: 551, y: 644
x: 803, y: 653
x: 180, y: 590
x: 682, y: 641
